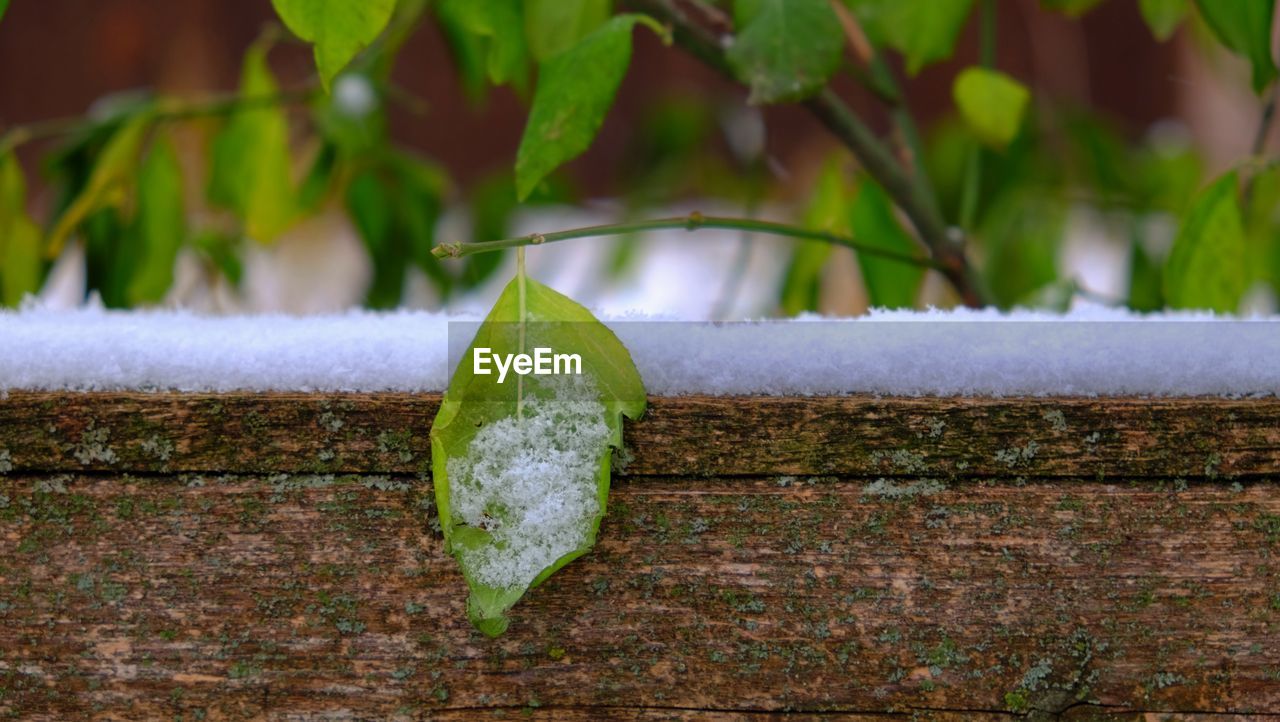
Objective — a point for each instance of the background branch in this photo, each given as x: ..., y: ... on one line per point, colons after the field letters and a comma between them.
x: 945, y: 244
x: 691, y: 222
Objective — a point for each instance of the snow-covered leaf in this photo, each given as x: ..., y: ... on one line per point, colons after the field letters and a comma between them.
x: 785, y: 50
x: 1206, y: 267
x: 521, y: 468
x: 338, y: 28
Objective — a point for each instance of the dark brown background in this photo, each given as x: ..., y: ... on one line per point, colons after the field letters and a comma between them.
x: 57, y: 56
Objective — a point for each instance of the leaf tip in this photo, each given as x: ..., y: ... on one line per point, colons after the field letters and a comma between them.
x: 492, y: 627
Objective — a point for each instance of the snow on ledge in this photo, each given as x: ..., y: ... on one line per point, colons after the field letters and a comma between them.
x: 986, y: 353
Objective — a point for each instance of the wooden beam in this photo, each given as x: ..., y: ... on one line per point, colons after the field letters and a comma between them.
x: 292, y: 596
x: 253, y: 555
x: 682, y: 436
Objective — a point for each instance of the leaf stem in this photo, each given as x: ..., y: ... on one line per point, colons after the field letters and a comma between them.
x: 523, y: 311
x: 692, y: 222
x: 945, y: 244
x: 1260, y: 137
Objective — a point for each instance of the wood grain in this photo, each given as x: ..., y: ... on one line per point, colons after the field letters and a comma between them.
x: 680, y: 436
x: 248, y: 596
x: 148, y: 575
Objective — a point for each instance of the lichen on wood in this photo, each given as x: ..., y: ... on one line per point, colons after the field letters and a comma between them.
x: 1224, y: 439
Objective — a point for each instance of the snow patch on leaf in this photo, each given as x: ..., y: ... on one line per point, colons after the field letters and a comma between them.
x: 530, y: 483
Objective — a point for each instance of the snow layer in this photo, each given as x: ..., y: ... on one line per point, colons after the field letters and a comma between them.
x: 1090, y: 351
x: 531, y: 483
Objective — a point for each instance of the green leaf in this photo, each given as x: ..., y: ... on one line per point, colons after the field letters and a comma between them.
x: 221, y: 251
x: 890, y: 284
x: 160, y: 224
x: 1146, y: 292
x: 338, y: 28
x: 553, y: 26
x: 575, y: 90
x: 371, y: 204
x: 1244, y: 26
x: 4, y: 5
x: 1074, y: 8
x: 470, y: 55
x: 108, y: 182
x: 499, y: 26
x: 924, y: 31
x: 251, y: 169
x: 1262, y: 227
x: 1163, y: 16
x: 108, y: 262
x: 320, y: 180
x: 20, y: 264
x: 423, y: 186
x: 1206, y: 267
x: 1021, y: 234
x: 992, y: 104
x: 500, y: 451
x: 394, y: 206
x: 828, y: 211
x: 785, y: 50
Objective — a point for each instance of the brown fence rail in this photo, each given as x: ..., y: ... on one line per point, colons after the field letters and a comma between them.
x: 275, y: 555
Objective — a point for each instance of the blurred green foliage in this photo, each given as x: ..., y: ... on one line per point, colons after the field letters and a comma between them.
x: 1007, y: 170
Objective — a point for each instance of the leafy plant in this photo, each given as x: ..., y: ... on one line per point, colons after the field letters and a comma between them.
x: 944, y: 198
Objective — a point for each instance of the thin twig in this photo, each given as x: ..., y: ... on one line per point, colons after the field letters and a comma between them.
x: 944, y: 243
x: 1260, y: 138
x: 691, y: 222
x: 883, y: 83
x: 166, y: 109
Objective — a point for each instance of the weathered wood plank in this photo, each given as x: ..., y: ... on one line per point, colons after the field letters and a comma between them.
x: 683, y: 436
x: 300, y: 596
